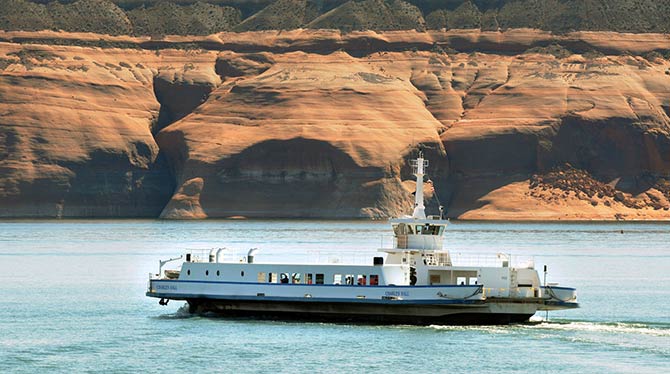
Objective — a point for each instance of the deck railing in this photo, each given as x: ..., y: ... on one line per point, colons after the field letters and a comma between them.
x: 492, y: 260
x: 364, y: 257
x: 306, y: 257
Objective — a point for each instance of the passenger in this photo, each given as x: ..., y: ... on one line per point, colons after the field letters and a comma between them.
x: 361, y: 281
x: 284, y: 278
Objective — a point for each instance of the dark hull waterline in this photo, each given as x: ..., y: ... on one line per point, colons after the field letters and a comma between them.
x: 356, y: 313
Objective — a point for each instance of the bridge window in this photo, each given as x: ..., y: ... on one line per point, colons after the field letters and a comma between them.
x: 337, y: 279
x: 402, y: 229
x: 430, y: 229
x: 319, y: 279
x: 309, y: 278
x: 283, y: 278
x: 349, y: 279
x: 296, y: 278
x: 261, y: 277
x: 272, y: 278
x: 374, y: 279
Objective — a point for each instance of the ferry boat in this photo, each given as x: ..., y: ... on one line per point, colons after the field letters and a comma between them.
x: 414, y: 281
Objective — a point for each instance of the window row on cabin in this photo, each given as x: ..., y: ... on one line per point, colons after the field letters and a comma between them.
x: 427, y: 229
x: 309, y: 278
x: 318, y: 278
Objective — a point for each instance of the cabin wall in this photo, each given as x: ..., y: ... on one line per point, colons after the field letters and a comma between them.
x: 430, y: 242
x: 496, y: 281
x: 271, y: 273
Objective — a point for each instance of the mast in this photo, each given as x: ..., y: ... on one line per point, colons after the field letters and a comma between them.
x: 419, y: 167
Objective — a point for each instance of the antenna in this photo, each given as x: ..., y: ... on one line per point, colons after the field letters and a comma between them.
x: 419, y: 168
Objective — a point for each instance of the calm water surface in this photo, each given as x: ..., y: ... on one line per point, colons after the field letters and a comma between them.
x: 73, y: 301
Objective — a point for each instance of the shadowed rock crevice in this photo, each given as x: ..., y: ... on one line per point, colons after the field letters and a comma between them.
x: 113, y: 185
x: 601, y: 163
x: 232, y: 65
x: 617, y: 147
x: 106, y: 184
x: 483, y: 163
x: 181, y: 91
x: 177, y: 99
x: 291, y: 178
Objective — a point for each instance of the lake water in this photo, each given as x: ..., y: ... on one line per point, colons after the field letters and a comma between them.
x: 73, y: 300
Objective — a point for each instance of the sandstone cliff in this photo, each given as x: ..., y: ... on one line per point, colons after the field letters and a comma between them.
x: 521, y: 124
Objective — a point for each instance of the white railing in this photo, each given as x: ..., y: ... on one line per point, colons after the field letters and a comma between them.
x: 340, y: 257
x: 305, y: 257
x: 225, y: 255
x: 491, y: 260
x: 440, y: 258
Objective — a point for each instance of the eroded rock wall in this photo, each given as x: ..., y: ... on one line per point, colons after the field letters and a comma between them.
x: 321, y: 124
x: 76, y: 130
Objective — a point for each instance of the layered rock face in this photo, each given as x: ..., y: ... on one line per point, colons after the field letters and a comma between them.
x: 322, y: 124
x: 76, y: 131
x: 312, y: 135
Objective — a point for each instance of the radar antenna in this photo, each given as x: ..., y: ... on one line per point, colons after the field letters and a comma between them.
x: 419, y: 169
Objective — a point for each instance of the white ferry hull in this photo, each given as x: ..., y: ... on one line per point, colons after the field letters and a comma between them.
x: 419, y: 305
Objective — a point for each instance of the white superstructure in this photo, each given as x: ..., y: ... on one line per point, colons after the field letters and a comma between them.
x: 414, y: 281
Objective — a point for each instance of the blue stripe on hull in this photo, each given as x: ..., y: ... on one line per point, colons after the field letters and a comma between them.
x: 313, y: 299
x: 317, y: 285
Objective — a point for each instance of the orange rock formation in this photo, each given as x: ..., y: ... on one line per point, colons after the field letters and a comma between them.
x: 321, y: 124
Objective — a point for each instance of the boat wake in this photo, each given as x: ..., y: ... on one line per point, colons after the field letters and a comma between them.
x: 539, y: 323
x: 635, y: 328
x: 181, y: 313
x: 638, y: 337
